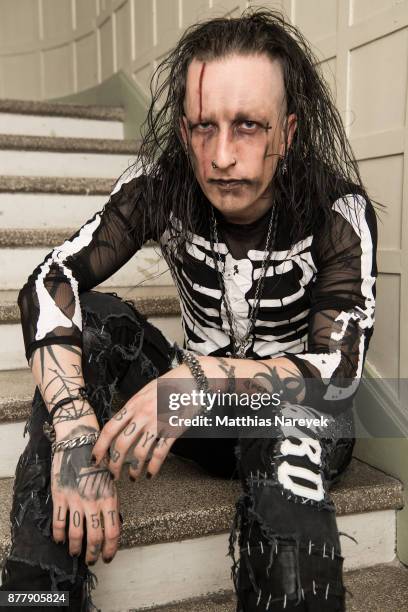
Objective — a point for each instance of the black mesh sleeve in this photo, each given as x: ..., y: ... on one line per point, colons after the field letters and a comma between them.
x: 341, y: 317
x: 49, y: 300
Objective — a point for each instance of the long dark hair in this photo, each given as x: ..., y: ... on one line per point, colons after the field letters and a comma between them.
x: 320, y: 163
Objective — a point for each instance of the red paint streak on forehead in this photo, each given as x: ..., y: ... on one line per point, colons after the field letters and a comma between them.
x: 200, y: 92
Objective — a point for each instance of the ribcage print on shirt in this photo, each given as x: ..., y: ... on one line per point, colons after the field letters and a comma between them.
x: 281, y: 323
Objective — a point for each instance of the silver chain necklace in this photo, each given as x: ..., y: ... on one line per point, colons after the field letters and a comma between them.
x: 239, y: 346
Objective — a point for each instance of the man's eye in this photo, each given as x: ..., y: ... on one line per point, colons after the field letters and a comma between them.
x: 203, y: 127
x: 249, y: 125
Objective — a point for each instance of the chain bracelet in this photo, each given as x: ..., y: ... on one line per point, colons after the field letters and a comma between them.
x: 76, y: 442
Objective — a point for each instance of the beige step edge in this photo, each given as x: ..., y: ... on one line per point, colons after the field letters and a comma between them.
x: 112, y: 146
x: 60, y: 185
x: 54, y: 109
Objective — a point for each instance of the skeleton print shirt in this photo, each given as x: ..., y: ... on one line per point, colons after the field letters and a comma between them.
x: 316, y: 307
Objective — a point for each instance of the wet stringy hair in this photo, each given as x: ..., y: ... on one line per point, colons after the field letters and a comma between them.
x: 320, y: 162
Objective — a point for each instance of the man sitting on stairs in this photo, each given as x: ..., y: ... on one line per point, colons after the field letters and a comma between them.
x: 246, y: 180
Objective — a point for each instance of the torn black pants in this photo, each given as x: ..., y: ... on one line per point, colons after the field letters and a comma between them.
x: 289, y: 549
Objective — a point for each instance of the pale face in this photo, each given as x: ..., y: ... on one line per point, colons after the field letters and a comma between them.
x: 236, y: 128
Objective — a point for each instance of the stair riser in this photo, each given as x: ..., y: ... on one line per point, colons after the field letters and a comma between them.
x: 12, y: 355
x: 194, y: 567
x: 68, y: 127
x: 147, y: 266
x: 48, y: 163
x: 50, y: 210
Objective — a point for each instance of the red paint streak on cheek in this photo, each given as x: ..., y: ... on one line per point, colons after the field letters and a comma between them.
x: 200, y: 93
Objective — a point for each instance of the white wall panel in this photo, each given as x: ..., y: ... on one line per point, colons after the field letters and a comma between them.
x: 19, y: 22
x: 316, y: 18
x: 123, y: 35
x: 87, y: 61
x: 167, y: 18
x: 377, y: 96
x: 383, y: 178
x: 385, y: 343
x: 194, y: 10
x: 58, y: 71
x: 22, y: 73
x: 362, y: 10
x: 57, y: 23
x: 143, y: 25
x: 85, y: 12
x: 106, y: 49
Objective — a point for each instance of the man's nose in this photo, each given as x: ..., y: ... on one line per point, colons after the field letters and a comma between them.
x: 224, y: 154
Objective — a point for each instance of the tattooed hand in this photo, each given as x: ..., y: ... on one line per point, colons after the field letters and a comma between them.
x: 82, y: 492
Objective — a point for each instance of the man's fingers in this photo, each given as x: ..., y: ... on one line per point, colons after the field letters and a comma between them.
x: 59, y: 518
x: 94, y: 535
x: 109, y: 432
x: 76, y: 530
x: 111, y: 522
x: 155, y: 457
x: 142, y: 451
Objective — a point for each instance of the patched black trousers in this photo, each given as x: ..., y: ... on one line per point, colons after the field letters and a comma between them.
x: 284, y: 540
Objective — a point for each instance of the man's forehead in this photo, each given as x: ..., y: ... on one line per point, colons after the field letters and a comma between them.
x: 243, y: 83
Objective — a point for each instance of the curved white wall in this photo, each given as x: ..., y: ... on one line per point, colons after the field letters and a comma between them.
x: 54, y: 48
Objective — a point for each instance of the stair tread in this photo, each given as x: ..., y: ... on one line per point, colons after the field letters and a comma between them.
x: 378, y: 588
x: 150, y: 301
x: 183, y: 501
x: 56, y: 184
x: 70, y: 145
x: 32, y: 107
x: 38, y: 237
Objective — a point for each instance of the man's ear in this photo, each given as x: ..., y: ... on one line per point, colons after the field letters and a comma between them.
x: 288, y: 132
x: 291, y: 124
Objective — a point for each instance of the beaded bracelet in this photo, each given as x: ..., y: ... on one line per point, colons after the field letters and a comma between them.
x: 196, y: 370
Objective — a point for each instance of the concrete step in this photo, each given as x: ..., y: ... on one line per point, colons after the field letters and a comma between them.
x: 175, y: 532
x: 46, y: 202
x: 381, y: 588
x: 57, y: 109
x: 65, y: 126
x: 22, y: 211
x: 73, y: 157
x: 56, y: 184
x: 161, y: 309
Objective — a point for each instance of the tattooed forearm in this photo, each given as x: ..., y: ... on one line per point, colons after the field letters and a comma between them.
x: 58, y: 373
x: 73, y: 411
x: 77, y: 473
x: 229, y: 371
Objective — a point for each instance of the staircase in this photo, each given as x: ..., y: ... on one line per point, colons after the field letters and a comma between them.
x: 59, y: 164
